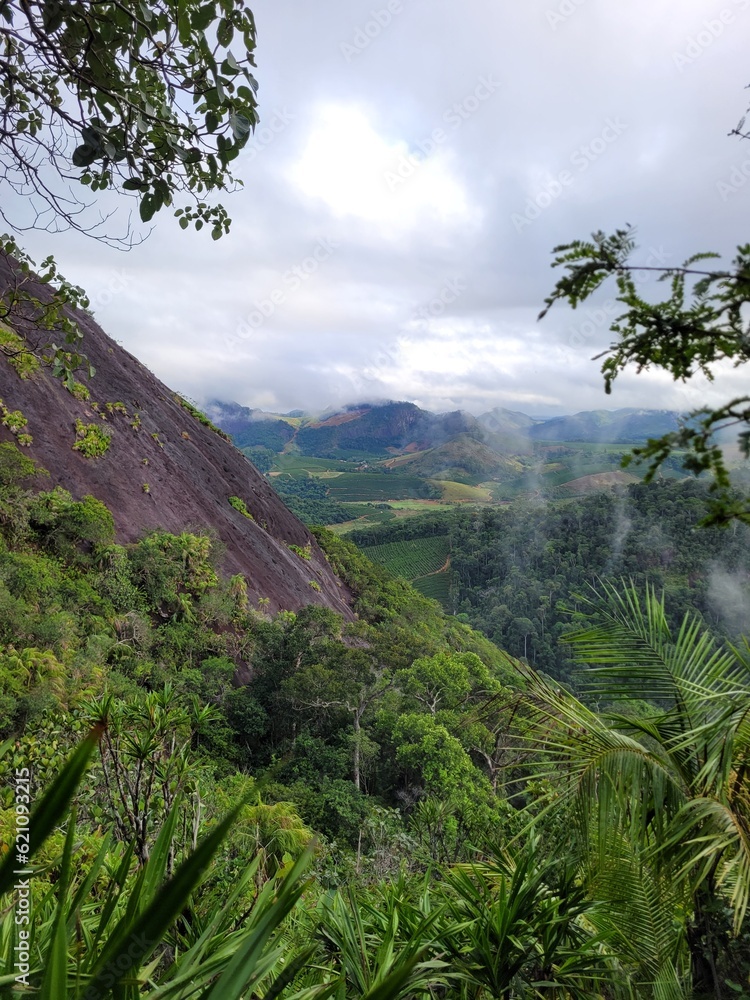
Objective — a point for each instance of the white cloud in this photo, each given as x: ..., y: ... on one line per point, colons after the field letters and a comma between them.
x: 365, y: 177
x: 366, y: 321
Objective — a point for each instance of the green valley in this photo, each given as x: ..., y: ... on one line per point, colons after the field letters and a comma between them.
x: 370, y: 464
x: 352, y: 750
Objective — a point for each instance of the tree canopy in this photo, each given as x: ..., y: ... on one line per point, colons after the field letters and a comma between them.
x: 700, y: 324
x: 154, y: 97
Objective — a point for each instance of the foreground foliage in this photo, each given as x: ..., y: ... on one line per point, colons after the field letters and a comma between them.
x: 111, y: 930
x: 468, y: 828
x: 160, y: 104
x: 659, y: 797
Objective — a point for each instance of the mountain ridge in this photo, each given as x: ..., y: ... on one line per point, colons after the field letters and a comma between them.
x: 398, y: 427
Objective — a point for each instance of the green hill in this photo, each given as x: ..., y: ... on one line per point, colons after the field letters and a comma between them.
x: 464, y: 457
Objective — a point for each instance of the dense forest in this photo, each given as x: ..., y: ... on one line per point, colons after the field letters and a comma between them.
x: 402, y: 759
x: 516, y: 571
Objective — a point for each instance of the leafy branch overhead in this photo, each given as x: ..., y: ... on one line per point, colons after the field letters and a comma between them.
x: 38, y: 322
x: 699, y: 325
x: 155, y: 98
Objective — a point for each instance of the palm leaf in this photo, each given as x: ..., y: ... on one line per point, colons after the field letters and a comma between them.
x: 252, y: 959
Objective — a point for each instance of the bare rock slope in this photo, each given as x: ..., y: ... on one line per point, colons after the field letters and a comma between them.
x: 165, y: 469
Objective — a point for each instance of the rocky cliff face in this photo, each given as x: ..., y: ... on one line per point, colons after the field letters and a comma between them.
x: 164, y: 469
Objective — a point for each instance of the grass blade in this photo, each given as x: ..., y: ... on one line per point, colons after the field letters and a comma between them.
x: 52, y: 806
x: 137, y: 936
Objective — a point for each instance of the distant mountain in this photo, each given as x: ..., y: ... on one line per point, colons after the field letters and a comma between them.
x: 231, y: 417
x: 250, y: 428
x: 502, y: 421
x: 462, y: 457
x: 384, y: 428
x: 507, y: 431
x: 373, y: 428
x: 366, y: 428
x: 625, y: 426
x: 394, y: 428
x: 264, y: 433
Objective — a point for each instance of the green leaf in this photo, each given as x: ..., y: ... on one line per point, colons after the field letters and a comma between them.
x: 146, y: 930
x: 52, y: 16
x: 277, y: 903
x: 55, y: 983
x: 147, y: 208
x: 241, y: 128
x: 224, y: 32
x: 91, y: 136
x: 203, y: 17
x: 84, y: 155
x: 230, y: 66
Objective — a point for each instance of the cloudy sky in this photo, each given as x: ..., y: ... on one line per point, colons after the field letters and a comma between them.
x: 416, y: 162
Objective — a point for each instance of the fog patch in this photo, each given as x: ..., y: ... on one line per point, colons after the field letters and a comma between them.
x: 729, y: 599
x: 622, y: 527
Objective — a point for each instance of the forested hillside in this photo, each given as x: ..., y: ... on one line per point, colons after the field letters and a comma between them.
x: 329, y: 715
x: 399, y: 759
x: 515, y: 571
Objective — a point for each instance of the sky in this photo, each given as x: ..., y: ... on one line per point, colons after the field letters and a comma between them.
x: 415, y: 164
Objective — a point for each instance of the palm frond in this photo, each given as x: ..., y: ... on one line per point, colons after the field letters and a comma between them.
x: 711, y: 840
x: 631, y: 650
x: 609, y: 778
